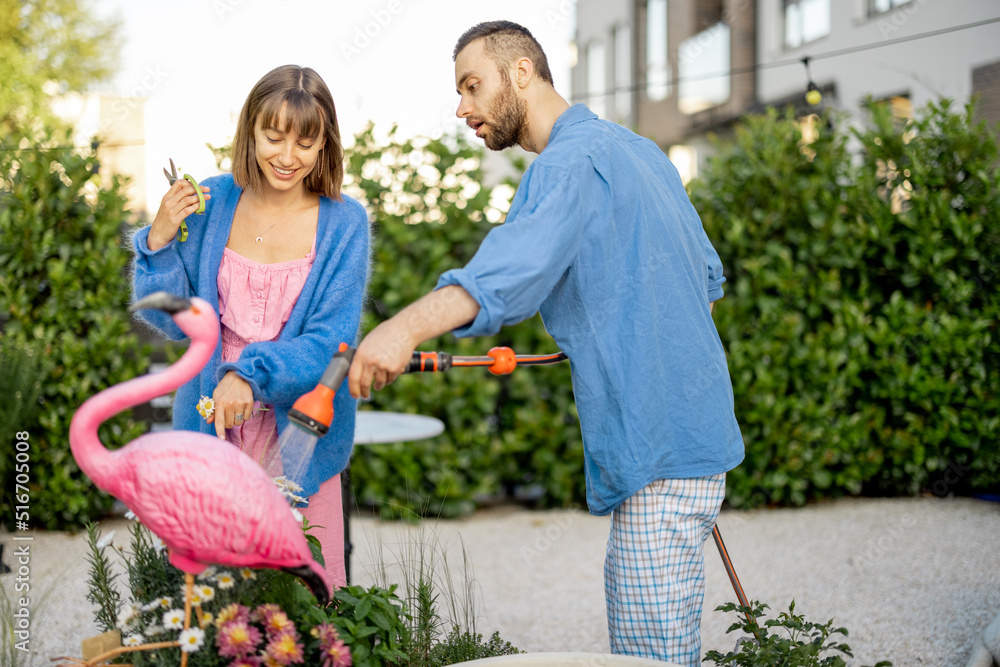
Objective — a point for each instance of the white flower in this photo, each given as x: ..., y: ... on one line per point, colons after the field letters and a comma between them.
x: 205, y: 593
x: 208, y: 573
x: 165, y: 602
x: 106, y: 540
x: 191, y: 639
x: 247, y: 573
x: 130, y: 515
x: 133, y: 640
x: 225, y: 581
x: 286, y: 484
x: 173, y: 619
x: 150, y: 606
x: 153, y: 630
x: 297, y: 514
x: 206, y: 407
x: 158, y: 544
x: 127, y: 616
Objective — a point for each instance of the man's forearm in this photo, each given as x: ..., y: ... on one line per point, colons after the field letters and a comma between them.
x: 437, y: 313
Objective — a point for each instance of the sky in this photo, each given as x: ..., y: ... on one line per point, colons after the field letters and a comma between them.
x: 388, y: 61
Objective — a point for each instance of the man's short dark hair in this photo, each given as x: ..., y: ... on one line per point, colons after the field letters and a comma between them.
x: 505, y: 42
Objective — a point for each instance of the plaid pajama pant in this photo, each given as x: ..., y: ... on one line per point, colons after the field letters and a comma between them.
x: 654, y: 575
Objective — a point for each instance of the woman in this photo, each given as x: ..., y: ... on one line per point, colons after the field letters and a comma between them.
x: 283, y: 255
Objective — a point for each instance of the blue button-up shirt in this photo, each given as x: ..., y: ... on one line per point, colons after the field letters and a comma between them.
x: 602, y: 239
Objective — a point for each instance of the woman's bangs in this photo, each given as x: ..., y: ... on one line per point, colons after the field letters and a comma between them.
x: 303, y: 114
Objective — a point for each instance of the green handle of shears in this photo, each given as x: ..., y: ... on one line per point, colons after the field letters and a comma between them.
x: 201, y: 205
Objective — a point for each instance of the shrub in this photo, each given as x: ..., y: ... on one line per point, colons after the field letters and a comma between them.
x: 801, y: 643
x: 860, y: 322
x: 65, y: 291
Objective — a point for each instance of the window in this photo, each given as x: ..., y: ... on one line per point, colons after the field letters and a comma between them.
x: 597, y: 86
x: 623, y: 74
x: 657, y: 65
x: 703, y: 69
x: 882, y: 6
x: 805, y: 21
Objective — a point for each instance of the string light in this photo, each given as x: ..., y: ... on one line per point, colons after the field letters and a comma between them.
x: 813, y: 96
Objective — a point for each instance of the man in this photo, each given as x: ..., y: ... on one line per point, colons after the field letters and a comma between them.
x: 602, y: 239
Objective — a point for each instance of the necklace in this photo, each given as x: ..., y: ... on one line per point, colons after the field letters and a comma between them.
x: 260, y: 237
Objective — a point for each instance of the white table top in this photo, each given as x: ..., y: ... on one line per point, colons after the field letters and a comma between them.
x: 374, y: 427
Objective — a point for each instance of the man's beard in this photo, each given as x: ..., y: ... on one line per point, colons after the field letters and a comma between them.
x: 507, y: 119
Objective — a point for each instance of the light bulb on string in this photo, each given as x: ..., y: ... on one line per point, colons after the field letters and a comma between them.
x: 813, y: 94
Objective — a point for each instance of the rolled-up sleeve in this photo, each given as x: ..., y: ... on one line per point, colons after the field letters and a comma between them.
x: 520, y: 261
x: 715, y: 273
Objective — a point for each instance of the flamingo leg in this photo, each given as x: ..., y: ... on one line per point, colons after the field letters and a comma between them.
x: 188, y: 593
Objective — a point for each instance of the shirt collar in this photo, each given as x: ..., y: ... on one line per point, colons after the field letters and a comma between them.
x: 575, y: 114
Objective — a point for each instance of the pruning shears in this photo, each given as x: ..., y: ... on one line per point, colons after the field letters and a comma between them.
x: 172, y: 177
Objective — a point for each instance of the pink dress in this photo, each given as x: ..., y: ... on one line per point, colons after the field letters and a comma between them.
x: 255, y: 301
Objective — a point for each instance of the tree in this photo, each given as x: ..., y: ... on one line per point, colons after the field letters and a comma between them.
x: 51, y: 47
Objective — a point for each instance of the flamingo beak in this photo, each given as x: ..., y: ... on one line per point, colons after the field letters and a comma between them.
x: 162, y: 301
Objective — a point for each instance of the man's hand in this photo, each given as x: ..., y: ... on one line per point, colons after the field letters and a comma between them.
x: 380, y: 358
x: 386, y: 351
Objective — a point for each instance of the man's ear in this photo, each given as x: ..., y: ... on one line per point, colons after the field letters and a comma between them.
x: 524, y: 71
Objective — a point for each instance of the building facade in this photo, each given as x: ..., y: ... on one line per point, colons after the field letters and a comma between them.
x: 679, y: 70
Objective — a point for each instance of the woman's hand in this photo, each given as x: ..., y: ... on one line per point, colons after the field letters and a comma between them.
x: 233, y: 399
x: 180, y: 201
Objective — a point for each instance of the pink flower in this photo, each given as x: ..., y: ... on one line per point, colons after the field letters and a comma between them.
x: 233, y: 612
x: 264, y: 611
x: 246, y: 662
x: 326, y: 633
x: 277, y: 624
x: 284, y: 648
x: 336, y: 655
x: 236, y: 639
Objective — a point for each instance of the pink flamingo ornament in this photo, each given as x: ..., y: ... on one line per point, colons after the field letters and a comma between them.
x: 207, y: 501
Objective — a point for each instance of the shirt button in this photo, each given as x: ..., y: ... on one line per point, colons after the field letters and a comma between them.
x: 260, y: 295
x: 249, y: 340
x: 256, y: 319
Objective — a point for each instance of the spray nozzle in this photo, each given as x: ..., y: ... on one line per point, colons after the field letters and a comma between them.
x: 314, y: 411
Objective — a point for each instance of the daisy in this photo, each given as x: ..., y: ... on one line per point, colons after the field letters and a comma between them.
x: 153, y: 630
x: 284, y: 649
x: 206, y: 593
x: 133, y: 640
x: 127, y: 616
x: 105, y: 541
x: 297, y: 514
x: 205, y: 407
x: 191, y: 639
x: 158, y: 544
x: 236, y: 639
x: 208, y: 573
x: 130, y: 515
x: 174, y: 619
x: 225, y: 581
x: 247, y: 573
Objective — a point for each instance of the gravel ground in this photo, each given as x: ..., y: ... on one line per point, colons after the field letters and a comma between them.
x: 914, y: 580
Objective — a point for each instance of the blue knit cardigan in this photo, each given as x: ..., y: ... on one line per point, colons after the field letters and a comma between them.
x: 328, y: 311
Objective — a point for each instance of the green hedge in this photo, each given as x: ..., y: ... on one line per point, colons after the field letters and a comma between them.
x: 861, y: 317
x: 64, y: 294
x: 502, y: 433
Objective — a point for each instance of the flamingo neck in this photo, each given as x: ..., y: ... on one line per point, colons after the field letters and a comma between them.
x: 94, y: 459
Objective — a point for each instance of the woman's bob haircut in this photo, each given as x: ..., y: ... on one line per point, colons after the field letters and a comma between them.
x: 308, y: 111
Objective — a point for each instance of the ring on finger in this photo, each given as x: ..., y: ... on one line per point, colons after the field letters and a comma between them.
x: 238, y: 417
